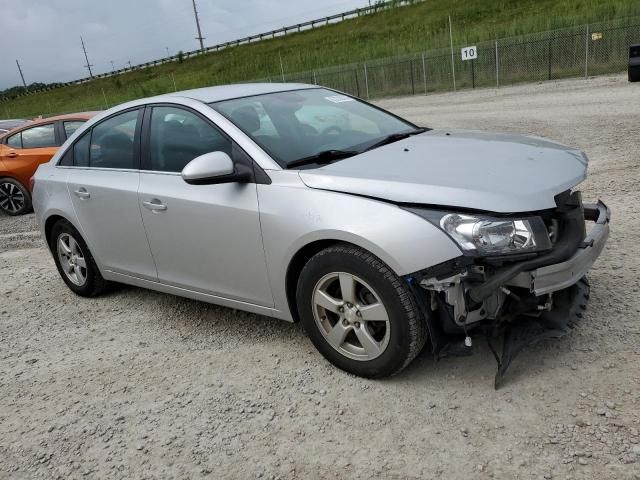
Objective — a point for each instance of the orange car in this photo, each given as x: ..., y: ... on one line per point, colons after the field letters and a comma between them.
x: 23, y: 149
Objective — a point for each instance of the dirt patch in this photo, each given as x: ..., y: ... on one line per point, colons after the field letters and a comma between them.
x: 139, y: 384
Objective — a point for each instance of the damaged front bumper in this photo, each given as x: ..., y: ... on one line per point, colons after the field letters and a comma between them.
x: 552, y: 278
x: 523, y: 301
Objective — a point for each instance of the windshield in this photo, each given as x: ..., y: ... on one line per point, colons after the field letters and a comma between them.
x: 304, y: 124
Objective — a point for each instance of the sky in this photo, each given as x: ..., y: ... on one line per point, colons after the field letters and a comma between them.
x: 44, y: 35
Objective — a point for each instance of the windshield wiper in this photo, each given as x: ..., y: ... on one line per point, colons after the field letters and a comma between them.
x: 326, y: 156
x: 394, y: 137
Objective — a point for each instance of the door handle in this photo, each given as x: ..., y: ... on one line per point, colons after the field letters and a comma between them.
x: 82, y: 193
x: 155, y: 205
x: 12, y: 154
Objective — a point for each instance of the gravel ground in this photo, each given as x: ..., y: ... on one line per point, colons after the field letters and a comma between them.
x: 137, y: 384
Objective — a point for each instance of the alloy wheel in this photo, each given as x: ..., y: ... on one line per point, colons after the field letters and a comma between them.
x: 11, y: 197
x: 351, y: 316
x: 72, y: 259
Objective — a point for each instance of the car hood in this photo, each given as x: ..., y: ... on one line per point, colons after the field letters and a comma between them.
x: 494, y: 172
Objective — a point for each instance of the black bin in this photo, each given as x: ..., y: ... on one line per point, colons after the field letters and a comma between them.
x: 634, y: 63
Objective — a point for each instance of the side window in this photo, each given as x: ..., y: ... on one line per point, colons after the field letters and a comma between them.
x: 178, y: 136
x: 112, y: 142
x: 39, y: 137
x: 71, y: 126
x: 67, y: 158
x: 81, y: 151
x: 15, y: 141
x: 78, y: 154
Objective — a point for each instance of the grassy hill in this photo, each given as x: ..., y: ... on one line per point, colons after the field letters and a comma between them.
x: 396, y: 31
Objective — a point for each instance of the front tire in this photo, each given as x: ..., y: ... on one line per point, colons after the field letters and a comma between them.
x: 358, y: 313
x: 15, y: 199
x: 74, y: 261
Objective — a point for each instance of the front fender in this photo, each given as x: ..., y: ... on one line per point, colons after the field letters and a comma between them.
x: 293, y: 216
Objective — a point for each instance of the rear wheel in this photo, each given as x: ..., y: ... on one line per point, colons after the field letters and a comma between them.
x: 75, y: 263
x: 15, y: 199
x: 358, y: 312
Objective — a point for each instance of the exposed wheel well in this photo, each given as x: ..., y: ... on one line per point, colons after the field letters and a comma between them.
x: 296, y: 265
x: 48, y: 226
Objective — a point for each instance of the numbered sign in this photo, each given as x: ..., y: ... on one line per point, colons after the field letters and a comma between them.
x: 469, y: 53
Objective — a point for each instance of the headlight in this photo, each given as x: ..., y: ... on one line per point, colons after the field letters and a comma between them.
x: 490, y: 236
x: 484, y: 235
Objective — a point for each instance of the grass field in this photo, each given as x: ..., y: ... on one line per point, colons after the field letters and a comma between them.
x: 404, y: 30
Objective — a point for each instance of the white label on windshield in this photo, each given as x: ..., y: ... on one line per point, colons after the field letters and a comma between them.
x: 339, y: 99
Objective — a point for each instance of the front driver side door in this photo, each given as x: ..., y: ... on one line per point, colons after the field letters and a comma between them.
x: 205, y: 238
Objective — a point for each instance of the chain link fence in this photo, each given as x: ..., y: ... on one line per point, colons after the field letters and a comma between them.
x: 571, y: 52
x: 580, y: 51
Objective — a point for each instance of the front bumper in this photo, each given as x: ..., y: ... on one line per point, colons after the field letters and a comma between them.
x: 561, y: 275
x: 525, y: 302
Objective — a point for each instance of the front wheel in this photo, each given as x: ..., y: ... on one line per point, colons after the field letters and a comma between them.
x: 358, y: 312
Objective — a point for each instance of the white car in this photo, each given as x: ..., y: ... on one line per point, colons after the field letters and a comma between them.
x: 303, y: 203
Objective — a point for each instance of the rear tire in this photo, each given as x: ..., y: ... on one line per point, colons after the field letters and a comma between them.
x: 74, y: 261
x: 15, y: 199
x: 358, y: 313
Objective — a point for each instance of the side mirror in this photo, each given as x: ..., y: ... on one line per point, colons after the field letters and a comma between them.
x: 212, y: 168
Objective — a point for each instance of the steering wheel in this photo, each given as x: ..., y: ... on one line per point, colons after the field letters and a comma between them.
x: 332, y: 131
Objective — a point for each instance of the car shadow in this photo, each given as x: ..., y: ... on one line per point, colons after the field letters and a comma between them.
x: 199, y: 320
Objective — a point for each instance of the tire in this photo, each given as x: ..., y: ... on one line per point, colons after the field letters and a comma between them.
x: 384, y: 311
x: 15, y: 199
x: 74, y: 261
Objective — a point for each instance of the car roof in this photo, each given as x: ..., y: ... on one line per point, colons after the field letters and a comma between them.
x: 66, y: 116
x: 238, y: 90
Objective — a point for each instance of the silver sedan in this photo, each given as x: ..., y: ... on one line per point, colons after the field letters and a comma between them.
x: 303, y: 203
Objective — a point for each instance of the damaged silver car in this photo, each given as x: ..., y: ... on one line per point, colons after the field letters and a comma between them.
x: 306, y: 204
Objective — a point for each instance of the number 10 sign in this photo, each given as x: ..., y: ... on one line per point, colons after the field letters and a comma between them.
x: 469, y: 53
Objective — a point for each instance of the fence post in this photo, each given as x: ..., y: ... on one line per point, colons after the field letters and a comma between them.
x: 355, y: 75
x: 366, y: 80
x: 586, y: 53
x: 281, y: 66
x: 424, y: 74
x: 175, y: 89
x: 453, y: 65
x: 315, y: 81
x: 549, y: 59
x: 106, y: 104
x: 497, y: 67
x: 473, y: 74
x: 413, y: 85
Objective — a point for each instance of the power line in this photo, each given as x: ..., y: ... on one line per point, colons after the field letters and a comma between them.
x: 88, y: 65
x: 199, y: 37
x: 21, y: 75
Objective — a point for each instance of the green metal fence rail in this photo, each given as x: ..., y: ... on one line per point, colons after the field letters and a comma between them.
x: 594, y: 49
x: 571, y: 52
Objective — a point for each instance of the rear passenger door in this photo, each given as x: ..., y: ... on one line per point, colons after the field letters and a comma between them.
x: 103, y: 186
x: 205, y: 238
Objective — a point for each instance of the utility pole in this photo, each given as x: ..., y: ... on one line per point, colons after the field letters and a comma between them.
x: 168, y: 54
x: 21, y: 75
x: 88, y: 65
x: 113, y: 66
x: 129, y: 62
x: 199, y: 37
